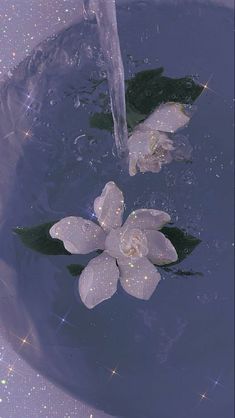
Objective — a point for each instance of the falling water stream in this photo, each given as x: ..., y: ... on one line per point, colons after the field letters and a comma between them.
x: 105, y: 12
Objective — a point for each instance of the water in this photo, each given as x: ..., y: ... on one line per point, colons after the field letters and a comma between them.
x: 105, y: 12
x: 53, y: 163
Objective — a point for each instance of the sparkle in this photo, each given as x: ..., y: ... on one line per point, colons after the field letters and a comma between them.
x: 114, y: 372
x: 206, y: 85
x: 203, y: 396
x: 27, y: 134
x: 216, y: 382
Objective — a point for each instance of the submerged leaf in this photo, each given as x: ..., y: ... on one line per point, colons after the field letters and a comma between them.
x: 75, y: 269
x: 102, y: 120
x: 183, y: 242
x: 186, y: 273
x: 148, y: 89
x: 37, y: 238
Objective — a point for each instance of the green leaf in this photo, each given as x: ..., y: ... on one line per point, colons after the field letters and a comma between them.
x: 185, y: 273
x: 145, y: 91
x: 102, y: 120
x: 37, y: 238
x: 75, y: 269
x: 148, y: 89
x: 183, y: 242
x: 133, y: 117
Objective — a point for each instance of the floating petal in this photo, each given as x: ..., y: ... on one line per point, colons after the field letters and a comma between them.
x: 160, y: 249
x: 168, y: 117
x: 139, y: 277
x: 109, y: 207
x: 147, y: 219
x: 79, y: 236
x: 98, y: 280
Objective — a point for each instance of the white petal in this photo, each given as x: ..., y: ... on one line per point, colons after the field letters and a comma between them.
x: 160, y: 249
x: 98, y: 280
x: 141, y: 141
x: 79, y: 235
x: 147, y: 219
x: 112, y: 243
x: 167, y: 117
x: 139, y: 277
x: 132, y: 165
x: 149, y: 164
x: 109, y: 207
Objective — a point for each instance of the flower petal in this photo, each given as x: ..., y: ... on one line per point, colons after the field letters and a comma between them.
x: 160, y: 249
x: 141, y: 141
x: 139, y: 277
x: 109, y: 207
x: 112, y: 243
x: 98, y: 280
x: 149, y: 164
x: 168, y: 117
x: 79, y: 235
x: 147, y: 219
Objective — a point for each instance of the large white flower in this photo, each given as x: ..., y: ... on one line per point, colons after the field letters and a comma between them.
x: 130, y: 251
x: 149, y: 145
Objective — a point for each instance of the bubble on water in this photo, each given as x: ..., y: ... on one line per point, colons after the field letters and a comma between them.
x: 77, y: 102
x: 93, y: 141
x: 189, y: 177
x: 105, y: 155
x: 102, y: 74
x: 146, y: 60
x: 114, y: 150
x: 77, y: 138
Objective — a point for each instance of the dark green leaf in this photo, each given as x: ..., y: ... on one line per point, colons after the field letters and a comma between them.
x: 75, y: 269
x: 148, y: 89
x: 183, y: 242
x: 187, y: 273
x: 37, y: 238
x: 102, y: 121
x: 133, y: 117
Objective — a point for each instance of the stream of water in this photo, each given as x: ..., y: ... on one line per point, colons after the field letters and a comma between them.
x: 105, y: 12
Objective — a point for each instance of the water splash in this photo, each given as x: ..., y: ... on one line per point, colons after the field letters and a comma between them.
x: 105, y: 13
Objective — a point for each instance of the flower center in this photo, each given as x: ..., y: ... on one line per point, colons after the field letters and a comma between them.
x: 133, y: 243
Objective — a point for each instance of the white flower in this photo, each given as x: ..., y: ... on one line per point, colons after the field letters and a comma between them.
x: 130, y: 251
x: 149, y: 145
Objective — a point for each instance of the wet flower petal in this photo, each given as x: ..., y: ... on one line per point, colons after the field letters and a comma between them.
x: 112, y: 243
x: 147, y: 219
x: 79, y: 236
x: 168, y: 117
x: 139, y: 277
x: 98, y: 280
x: 149, y: 150
x: 109, y: 207
x: 141, y: 141
x: 160, y: 249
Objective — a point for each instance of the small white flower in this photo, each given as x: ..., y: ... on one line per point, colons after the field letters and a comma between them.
x: 130, y: 251
x: 149, y: 145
